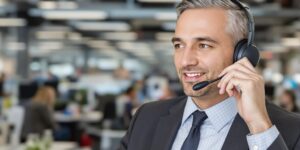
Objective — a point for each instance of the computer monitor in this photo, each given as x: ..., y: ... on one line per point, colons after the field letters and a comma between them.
x: 27, y: 90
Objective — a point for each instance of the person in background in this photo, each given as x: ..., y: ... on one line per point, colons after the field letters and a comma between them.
x: 2, y: 81
x: 140, y: 91
x: 126, y: 105
x: 167, y: 92
x: 287, y: 100
x: 39, y: 113
x: 122, y: 73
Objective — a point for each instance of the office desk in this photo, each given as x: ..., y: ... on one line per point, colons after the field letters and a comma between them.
x: 55, y: 146
x: 89, y: 117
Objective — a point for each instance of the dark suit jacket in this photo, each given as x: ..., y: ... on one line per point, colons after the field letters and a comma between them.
x: 155, y: 125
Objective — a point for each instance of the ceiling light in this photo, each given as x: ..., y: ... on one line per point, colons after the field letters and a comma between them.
x: 133, y: 45
x: 100, y: 44
x: 57, y: 5
x: 16, y: 46
x: 122, y: 36
x: 50, y: 45
x: 102, y: 26
x: 55, y: 28
x: 51, y: 35
x: 165, y: 16
x: 67, y: 14
x: 47, y: 5
x: 74, y: 36
x: 164, y: 36
x: 12, y: 22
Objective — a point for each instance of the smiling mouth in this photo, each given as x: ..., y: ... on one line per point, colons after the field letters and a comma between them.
x: 193, y: 76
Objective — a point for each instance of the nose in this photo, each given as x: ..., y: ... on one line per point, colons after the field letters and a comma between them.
x: 189, y: 58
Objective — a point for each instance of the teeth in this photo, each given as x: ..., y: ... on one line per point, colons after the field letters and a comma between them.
x: 193, y: 74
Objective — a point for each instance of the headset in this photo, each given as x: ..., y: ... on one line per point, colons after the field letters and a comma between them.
x: 244, y: 48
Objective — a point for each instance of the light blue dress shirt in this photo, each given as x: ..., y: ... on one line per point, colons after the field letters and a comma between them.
x: 216, y: 127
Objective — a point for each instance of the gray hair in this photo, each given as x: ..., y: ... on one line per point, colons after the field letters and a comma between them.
x: 237, y: 20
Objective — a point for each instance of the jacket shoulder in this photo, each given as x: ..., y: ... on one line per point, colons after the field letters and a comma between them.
x: 287, y: 123
x: 160, y: 107
x: 165, y: 103
x: 282, y: 116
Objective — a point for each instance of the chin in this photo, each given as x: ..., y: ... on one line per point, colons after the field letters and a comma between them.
x: 188, y: 90
x: 200, y: 93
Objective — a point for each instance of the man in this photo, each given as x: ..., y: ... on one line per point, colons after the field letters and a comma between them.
x: 231, y: 114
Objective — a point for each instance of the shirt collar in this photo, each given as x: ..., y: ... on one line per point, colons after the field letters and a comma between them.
x: 219, y: 115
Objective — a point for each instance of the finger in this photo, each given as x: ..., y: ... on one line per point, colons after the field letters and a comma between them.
x: 235, y: 84
x: 237, y: 66
x: 229, y: 88
x: 234, y: 73
x: 237, y: 94
x: 232, y: 89
x: 245, y: 62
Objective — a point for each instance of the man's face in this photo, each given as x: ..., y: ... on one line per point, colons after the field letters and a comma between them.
x: 202, y: 48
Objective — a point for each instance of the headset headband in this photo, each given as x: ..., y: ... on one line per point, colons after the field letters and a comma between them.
x: 251, y: 24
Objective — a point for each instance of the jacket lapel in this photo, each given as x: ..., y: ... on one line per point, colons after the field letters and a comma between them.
x: 236, y: 138
x: 167, y: 127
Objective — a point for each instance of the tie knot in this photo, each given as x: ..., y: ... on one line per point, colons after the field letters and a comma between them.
x: 198, y: 117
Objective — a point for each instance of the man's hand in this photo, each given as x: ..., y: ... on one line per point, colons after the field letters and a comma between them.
x: 243, y: 82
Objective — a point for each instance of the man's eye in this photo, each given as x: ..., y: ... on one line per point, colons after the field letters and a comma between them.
x: 177, y: 46
x: 204, y: 46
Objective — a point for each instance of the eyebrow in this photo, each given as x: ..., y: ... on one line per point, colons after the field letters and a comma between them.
x: 176, y: 39
x: 208, y: 39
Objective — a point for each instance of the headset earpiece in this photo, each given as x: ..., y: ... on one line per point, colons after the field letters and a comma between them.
x: 243, y: 50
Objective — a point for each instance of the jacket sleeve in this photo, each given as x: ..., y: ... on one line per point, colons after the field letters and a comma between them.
x: 125, y: 140
x: 279, y: 144
x: 297, y: 145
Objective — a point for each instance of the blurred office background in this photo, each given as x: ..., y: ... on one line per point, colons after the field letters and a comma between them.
x: 81, y: 68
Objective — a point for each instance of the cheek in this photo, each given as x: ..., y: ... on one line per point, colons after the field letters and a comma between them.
x: 214, y: 60
x: 176, y: 60
x: 218, y: 61
x: 226, y: 55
